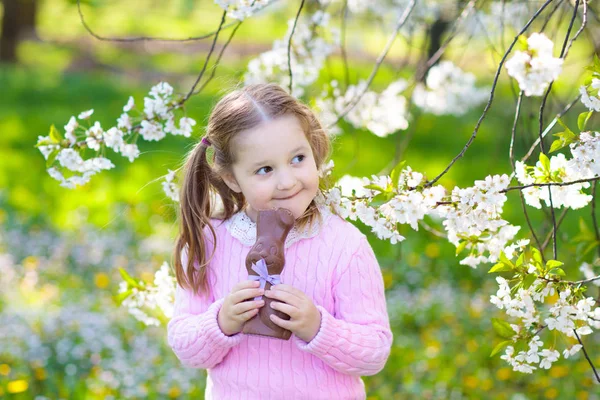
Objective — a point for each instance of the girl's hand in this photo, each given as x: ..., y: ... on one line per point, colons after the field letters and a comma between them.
x: 305, y: 318
x: 235, y: 311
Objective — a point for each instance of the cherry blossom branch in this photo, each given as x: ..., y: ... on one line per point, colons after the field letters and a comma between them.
x: 289, y: 47
x: 541, y: 127
x: 586, y: 354
x: 436, y: 56
x: 511, y: 154
x: 583, y: 24
x: 549, y: 236
x: 216, y: 64
x: 401, y: 21
x: 584, y: 281
x: 212, y: 48
x: 550, y: 14
x: 432, y: 230
x: 549, y: 184
x: 343, y: 44
x: 526, y: 213
x: 594, y: 215
x: 490, y: 100
x: 144, y: 38
x: 549, y: 127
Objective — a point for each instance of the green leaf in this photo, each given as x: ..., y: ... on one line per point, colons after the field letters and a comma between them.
x: 127, y: 278
x: 503, y: 328
x: 554, y: 263
x: 51, y: 157
x: 556, y: 145
x: 557, y: 271
x: 374, y: 187
x: 537, y: 256
x: 55, y: 135
x: 505, y: 260
x: 395, y: 175
x: 500, y: 267
x: 520, y: 260
x: 461, y: 247
x: 583, y: 119
x: 122, y: 296
x: 528, y: 281
x: 499, y: 347
x: 545, y: 161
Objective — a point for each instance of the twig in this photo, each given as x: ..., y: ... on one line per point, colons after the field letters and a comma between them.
x: 594, y: 215
x: 541, y: 127
x: 549, y: 184
x: 144, y: 38
x: 343, y: 45
x: 549, y: 128
x: 289, y: 47
x: 214, y: 67
x: 489, y: 103
x: 511, y: 154
x: 212, y: 48
x: 549, y: 236
x: 586, y: 355
x: 403, y: 18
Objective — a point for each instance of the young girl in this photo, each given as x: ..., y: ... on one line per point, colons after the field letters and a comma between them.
x: 268, y: 149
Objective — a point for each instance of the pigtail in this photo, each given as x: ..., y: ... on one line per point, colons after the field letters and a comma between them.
x: 195, y: 211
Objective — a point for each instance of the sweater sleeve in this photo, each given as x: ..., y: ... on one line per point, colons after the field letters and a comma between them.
x: 356, y: 339
x: 194, y: 333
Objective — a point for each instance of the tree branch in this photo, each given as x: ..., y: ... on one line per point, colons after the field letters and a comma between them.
x: 289, y: 47
x: 489, y: 103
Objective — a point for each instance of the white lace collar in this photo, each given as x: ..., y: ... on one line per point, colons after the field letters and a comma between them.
x: 241, y: 227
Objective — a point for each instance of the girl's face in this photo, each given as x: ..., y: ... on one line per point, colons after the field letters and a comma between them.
x: 275, y: 167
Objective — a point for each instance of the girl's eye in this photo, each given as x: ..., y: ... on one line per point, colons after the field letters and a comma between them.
x: 300, y: 155
x: 258, y: 172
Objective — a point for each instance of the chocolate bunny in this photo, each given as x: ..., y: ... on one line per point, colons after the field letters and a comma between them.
x: 272, y: 228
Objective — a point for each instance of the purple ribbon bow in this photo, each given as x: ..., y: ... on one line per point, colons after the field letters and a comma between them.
x: 263, y: 275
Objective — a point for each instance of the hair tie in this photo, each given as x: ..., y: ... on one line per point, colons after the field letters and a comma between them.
x: 206, y: 142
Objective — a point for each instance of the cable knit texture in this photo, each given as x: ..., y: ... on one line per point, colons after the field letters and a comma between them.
x: 339, y: 272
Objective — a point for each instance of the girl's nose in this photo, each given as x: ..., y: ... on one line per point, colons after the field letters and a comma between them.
x: 287, y: 181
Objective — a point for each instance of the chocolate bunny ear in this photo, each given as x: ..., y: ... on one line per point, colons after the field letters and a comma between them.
x: 285, y: 216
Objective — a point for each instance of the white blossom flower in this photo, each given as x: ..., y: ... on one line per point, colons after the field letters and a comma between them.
x: 535, y: 68
x: 169, y: 186
x: 86, y: 114
x: 70, y: 130
x: 130, y: 104
x: 130, y: 151
x: 94, y: 136
x: 448, y: 90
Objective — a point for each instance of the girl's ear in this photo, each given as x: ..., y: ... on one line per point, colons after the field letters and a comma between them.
x: 231, y: 182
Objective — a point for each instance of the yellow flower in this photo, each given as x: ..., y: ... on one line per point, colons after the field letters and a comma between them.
x: 551, y: 393
x: 432, y: 250
x: 174, y: 392
x: 40, y: 374
x: 4, y: 369
x: 18, y: 386
x: 503, y: 374
x: 101, y: 280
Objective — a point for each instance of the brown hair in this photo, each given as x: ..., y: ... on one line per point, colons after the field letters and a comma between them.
x: 240, y: 110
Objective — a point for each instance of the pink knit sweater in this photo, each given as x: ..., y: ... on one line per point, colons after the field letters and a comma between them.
x: 337, y: 269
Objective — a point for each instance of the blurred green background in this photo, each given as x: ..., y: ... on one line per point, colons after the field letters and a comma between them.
x: 61, y: 334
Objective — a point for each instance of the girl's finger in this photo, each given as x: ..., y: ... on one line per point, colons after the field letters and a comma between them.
x: 283, y: 296
x: 245, y: 285
x: 281, y: 322
x: 246, y: 294
x: 245, y: 306
x: 249, y: 314
x: 292, y: 311
x: 289, y: 289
